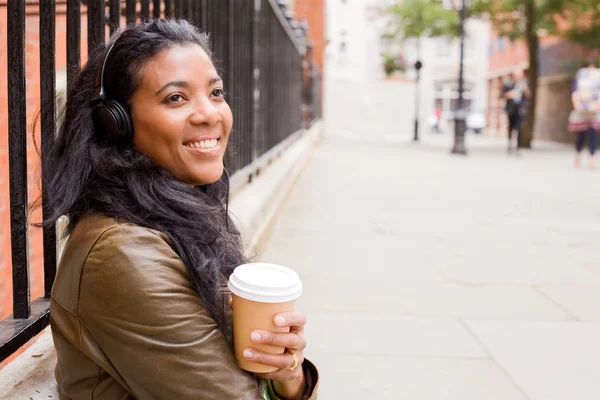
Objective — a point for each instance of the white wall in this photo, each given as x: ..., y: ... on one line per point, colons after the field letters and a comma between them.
x: 358, y: 99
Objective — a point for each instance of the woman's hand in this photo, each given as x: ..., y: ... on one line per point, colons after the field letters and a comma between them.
x: 289, y: 384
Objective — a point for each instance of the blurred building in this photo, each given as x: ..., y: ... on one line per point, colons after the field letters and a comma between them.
x: 558, y: 61
x: 355, y: 44
x: 354, y: 36
x: 356, y: 84
x: 441, y: 62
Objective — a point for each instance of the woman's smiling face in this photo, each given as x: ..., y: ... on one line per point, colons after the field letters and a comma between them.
x: 180, y: 117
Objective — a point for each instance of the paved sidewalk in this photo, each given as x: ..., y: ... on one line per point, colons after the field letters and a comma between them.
x: 430, y: 276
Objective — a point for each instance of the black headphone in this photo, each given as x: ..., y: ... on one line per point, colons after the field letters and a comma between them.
x: 111, y: 118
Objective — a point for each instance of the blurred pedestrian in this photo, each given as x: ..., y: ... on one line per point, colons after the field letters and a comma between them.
x: 584, y: 120
x: 515, y: 92
x: 437, y: 119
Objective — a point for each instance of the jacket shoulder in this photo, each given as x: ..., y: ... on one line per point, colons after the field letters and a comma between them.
x: 91, y: 233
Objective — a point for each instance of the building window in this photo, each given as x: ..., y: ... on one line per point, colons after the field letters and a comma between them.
x: 385, y: 44
x: 469, y: 48
x: 500, y: 44
x: 490, y: 49
x: 442, y: 47
x: 410, y: 49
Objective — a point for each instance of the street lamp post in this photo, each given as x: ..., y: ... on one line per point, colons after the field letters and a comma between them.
x: 418, y: 66
x: 460, y: 115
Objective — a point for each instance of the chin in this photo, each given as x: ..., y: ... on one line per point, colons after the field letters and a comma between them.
x: 209, y: 177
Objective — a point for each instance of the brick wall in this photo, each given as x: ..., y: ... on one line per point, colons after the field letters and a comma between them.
x: 556, y: 58
x: 505, y: 54
x: 314, y: 12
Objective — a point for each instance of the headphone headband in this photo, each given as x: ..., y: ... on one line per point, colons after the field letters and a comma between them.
x: 100, y: 91
x: 111, y: 119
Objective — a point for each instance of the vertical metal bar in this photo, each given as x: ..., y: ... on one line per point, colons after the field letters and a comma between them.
x: 188, y: 7
x: 181, y: 4
x: 95, y: 21
x: 231, y: 59
x: 145, y: 9
x: 73, y: 39
x: 168, y: 9
x: 156, y: 9
x: 17, y: 151
x: 204, y: 15
x: 177, y: 10
x: 47, y: 92
x: 257, y: 95
x: 248, y: 66
x: 115, y: 15
x: 130, y: 11
x: 194, y: 13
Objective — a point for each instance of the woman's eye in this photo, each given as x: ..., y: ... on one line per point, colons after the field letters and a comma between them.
x: 176, y: 98
x: 218, y: 93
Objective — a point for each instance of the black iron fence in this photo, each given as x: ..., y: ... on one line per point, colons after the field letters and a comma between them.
x: 259, y: 51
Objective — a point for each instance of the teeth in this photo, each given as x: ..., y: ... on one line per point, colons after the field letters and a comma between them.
x: 204, y: 144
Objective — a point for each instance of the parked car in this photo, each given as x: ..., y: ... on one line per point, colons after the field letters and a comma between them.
x: 476, y: 122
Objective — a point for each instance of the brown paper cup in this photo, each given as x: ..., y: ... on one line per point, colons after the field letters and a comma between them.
x: 249, y: 316
x: 260, y: 292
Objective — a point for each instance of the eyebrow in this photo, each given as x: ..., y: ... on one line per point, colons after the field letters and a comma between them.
x: 184, y: 84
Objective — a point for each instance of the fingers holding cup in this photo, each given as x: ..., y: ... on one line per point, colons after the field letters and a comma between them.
x: 292, y: 319
x: 288, y: 366
x: 292, y: 340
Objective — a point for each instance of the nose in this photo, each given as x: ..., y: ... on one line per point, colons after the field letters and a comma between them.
x: 205, y: 113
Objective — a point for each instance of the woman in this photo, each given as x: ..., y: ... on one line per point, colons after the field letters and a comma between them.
x: 585, y: 117
x: 139, y: 306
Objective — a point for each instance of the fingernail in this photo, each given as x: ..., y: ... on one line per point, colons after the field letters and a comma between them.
x: 248, y: 354
x: 255, y: 337
x: 279, y: 320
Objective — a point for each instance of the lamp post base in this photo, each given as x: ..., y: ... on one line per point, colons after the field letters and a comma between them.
x: 460, y: 127
x: 416, y: 134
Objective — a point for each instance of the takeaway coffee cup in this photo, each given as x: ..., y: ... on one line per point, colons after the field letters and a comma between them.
x: 260, y: 292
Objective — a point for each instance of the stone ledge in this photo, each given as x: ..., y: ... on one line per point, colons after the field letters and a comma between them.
x: 31, y: 375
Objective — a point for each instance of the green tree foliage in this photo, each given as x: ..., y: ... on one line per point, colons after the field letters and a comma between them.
x: 509, y: 17
x: 581, y: 22
x: 421, y: 18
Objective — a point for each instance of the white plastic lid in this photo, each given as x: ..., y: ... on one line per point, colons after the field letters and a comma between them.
x: 265, y: 283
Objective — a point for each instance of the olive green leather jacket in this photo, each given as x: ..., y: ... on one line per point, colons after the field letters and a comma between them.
x: 127, y: 323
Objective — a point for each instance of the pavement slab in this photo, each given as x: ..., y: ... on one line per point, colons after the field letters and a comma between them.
x: 548, y: 360
x: 390, y: 335
x: 349, y: 377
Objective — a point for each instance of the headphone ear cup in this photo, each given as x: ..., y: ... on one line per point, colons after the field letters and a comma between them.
x: 112, y: 121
